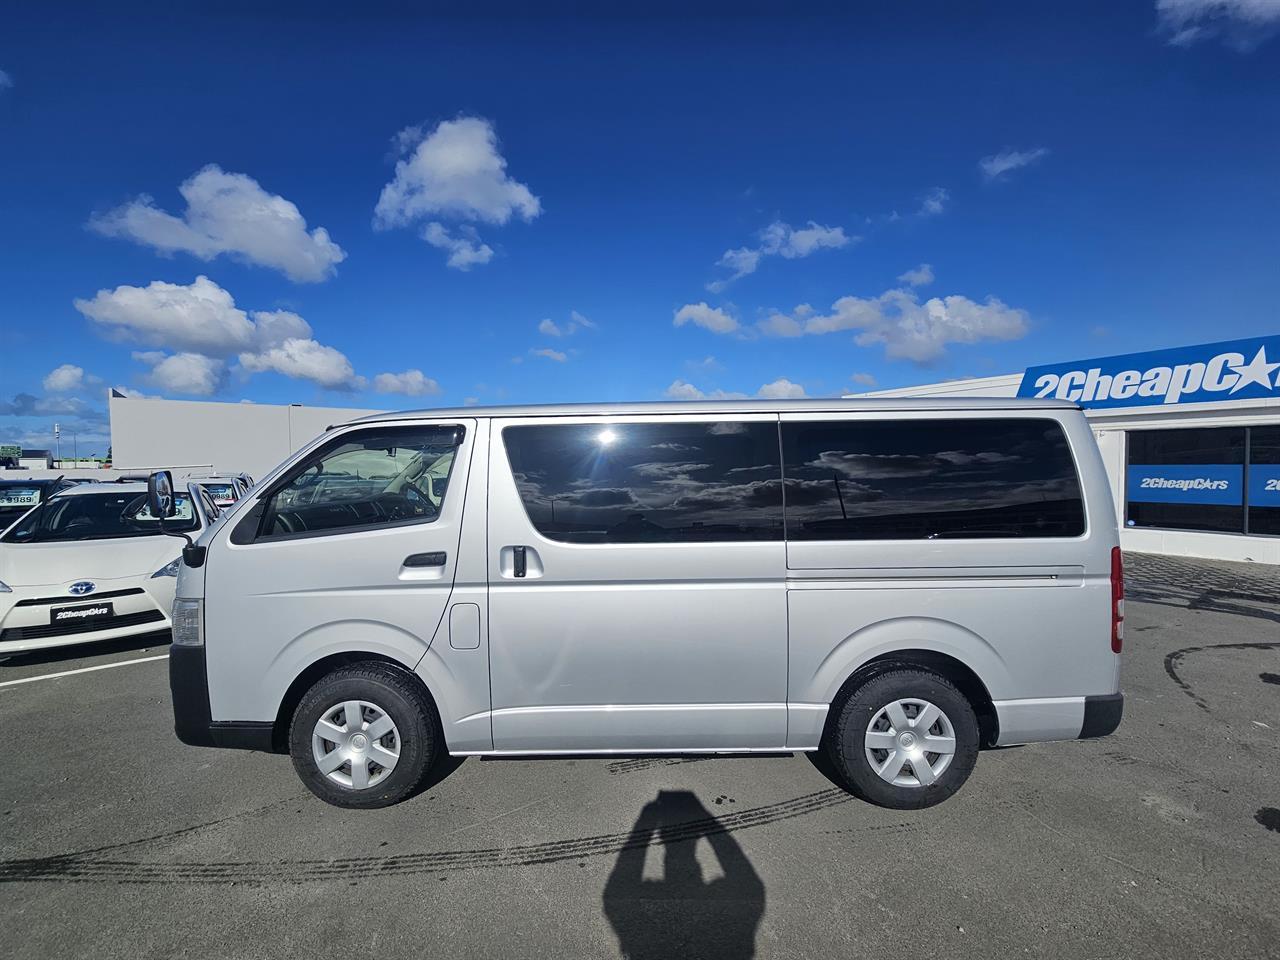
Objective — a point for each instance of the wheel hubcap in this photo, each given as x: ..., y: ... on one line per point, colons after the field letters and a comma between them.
x: 910, y: 743
x: 355, y: 744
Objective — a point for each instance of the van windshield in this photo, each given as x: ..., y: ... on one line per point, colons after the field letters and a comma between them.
x: 99, y: 516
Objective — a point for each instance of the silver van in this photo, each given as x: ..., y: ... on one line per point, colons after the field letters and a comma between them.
x: 896, y: 583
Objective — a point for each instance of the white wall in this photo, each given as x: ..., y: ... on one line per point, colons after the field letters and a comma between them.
x: 227, y: 437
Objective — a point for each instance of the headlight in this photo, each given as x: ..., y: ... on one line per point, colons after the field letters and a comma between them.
x: 168, y: 570
x: 4, y: 587
x: 188, y: 623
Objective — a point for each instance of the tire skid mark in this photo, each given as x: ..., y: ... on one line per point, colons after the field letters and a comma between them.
x: 1173, y: 660
x: 644, y: 763
x: 90, y: 868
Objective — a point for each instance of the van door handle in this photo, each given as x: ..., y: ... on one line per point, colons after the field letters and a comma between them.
x: 520, y: 561
x: 434, y: 559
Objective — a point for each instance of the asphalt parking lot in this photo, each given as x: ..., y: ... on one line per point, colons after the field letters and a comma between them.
x: 1162, y: 840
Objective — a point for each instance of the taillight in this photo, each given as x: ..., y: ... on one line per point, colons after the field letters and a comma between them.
x: 1117, y: 600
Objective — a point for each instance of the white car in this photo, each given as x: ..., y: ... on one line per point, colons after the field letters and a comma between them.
x: 91, y: 563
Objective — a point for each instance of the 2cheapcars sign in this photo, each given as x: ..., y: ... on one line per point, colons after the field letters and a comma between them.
x: 1212, y: 483
x: 1234, y: 370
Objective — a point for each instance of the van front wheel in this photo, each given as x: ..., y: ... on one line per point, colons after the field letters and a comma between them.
x: 364, y: 736
x: 905, y: 739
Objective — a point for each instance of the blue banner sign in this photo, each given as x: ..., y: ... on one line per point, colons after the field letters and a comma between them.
x: 1216, y: 483
x: 1211, y: 372
x: 1264, y: 485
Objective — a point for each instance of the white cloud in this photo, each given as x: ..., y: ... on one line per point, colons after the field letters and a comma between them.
x: 191, y: 373
x: 229, y: 213
x: 997, y: 165
x: 131, y: 393
x: 781, y: 240
x: 306, y: 360
x: 6, y: 81
x: 920, y: 276
x: 703, y: 315
x: 465, y: 248
x: 26, y: 405
x: 65, y: 378
x: 907, y: 328
x: 470, y: 401
x: 1243, y: 24
x: 198, y: 318
x: 576, y: 322
x: 781, y: 389
x: 412, y: 383
x: 682, y: 390
x: 455, y: 172
x: 863, y: 379
x: 934, y: 202
x: 202, y: 320
x: 550, y: 354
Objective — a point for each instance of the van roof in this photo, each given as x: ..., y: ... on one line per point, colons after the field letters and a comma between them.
x: 829, y: 405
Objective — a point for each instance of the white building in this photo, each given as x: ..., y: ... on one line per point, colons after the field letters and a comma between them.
x: 1190, y: 437
x: 214, y: 437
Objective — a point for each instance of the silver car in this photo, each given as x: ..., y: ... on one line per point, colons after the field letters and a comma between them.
x: 897, y: 583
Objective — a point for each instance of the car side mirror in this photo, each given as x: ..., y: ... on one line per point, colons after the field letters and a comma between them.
x: 160, y: 499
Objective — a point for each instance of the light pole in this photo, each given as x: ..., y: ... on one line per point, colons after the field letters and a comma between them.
x: 57, y: 442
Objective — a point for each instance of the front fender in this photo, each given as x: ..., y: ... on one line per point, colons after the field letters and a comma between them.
x: 341, y: 637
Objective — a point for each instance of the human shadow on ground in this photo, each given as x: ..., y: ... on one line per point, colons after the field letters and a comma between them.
x: 682, y: 914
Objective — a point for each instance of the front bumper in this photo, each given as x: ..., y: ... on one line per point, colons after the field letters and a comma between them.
x: 140, y: 605
x: 192, y: 722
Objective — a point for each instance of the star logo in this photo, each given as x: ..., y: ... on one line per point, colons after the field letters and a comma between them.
x: 1256, y: 370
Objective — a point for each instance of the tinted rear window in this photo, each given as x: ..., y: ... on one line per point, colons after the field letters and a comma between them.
x: 930, y: 479
x: 649, y: 482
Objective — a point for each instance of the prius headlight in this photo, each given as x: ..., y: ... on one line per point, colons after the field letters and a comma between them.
x: 168, y: 570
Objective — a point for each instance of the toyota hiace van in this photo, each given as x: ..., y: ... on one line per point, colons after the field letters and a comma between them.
x: 897, y: 583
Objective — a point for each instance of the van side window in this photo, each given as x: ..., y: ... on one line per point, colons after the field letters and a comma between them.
x: 649, y: 482
x: 372, y: 478
x: 930, y: 479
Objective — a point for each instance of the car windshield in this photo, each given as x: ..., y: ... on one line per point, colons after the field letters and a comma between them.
x: 98, y: 516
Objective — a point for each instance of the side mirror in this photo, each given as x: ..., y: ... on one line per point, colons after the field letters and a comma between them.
x: 160, y: 500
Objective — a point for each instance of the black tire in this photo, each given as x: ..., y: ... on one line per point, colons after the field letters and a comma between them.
x: 403, y: 700
x: 846, y: 744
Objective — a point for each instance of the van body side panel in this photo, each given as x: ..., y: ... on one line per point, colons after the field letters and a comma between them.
x: 456, y: 675
x: 1030, y: 617
x: 277, y: 606
x: 632, y: 646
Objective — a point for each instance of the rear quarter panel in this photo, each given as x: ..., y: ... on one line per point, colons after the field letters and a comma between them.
x: 1030, y: 617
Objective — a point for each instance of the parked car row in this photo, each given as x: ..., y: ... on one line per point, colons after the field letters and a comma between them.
x: 87, y: 560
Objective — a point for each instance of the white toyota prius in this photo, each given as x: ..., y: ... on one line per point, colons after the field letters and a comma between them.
x: 92, y: 563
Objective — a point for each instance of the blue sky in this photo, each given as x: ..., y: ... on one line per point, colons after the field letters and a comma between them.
x: 403, y: 209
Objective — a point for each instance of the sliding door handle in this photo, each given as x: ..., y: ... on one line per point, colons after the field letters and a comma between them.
x: 434, y: 559
x: 520, y: 561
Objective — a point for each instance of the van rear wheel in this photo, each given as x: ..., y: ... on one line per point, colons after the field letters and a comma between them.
x: 363, y: 736
x: 905, y: 739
